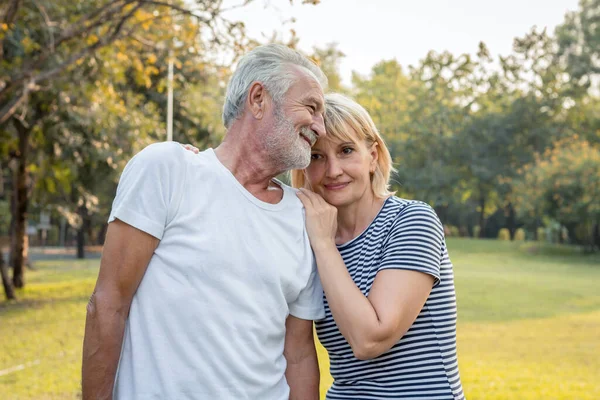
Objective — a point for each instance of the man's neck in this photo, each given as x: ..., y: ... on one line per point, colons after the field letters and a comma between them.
x: 250, y: 165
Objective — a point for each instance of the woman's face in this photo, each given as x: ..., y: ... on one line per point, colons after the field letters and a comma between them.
x: 340, y: 171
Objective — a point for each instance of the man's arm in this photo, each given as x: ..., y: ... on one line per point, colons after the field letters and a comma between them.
x: 125, y: 257
x: 302, y: 371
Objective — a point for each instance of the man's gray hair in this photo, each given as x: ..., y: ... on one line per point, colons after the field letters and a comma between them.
x: 269, y: 64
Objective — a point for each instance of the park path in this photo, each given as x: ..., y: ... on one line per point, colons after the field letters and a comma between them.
x: 58, y: 253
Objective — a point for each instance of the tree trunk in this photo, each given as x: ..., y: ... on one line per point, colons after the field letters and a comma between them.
x: 481, y: 216
x: 81, y: 232
x: 589, y: 240
x: 13, y: 211
x: 511, y: 220
x: 561, y: 238
x: 596, y: 236
x: 21, y: 202
x: 80, y: 244
x: 8, y: 287
x: 442, y: 213
x: 536, y: 225
x: 62, y: 232
x: 101, y: 234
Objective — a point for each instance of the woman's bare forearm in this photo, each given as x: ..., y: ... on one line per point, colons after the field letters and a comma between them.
x: 354, y: 314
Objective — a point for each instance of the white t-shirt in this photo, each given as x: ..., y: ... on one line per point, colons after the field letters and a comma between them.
x: 208, y: 319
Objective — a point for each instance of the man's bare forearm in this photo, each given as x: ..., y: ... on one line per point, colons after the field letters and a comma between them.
x: 104, y: 330
x: 125, y: 257
x: 303, y: 377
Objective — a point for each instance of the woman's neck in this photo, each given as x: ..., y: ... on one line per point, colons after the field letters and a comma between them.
x: 354, y: 218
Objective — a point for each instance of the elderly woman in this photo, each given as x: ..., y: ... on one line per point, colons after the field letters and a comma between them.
x: 390, y: 305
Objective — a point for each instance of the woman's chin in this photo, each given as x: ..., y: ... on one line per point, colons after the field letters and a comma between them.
x: 335, y: 200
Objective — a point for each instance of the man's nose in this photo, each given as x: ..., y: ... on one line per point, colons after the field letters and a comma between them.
x: 318, y: 125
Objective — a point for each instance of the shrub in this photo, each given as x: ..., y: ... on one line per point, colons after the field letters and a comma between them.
x: 503, y: 234
x: 520, y: 234
x: 541, y: 234
x: 454, y: 232
x: 447, y: 232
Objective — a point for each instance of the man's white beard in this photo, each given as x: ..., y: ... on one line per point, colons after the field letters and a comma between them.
x: 286, y: 147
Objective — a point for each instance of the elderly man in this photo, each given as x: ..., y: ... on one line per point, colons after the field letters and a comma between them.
x: 207, y: 287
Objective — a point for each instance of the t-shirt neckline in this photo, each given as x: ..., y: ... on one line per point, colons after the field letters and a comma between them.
x: 262, y: 204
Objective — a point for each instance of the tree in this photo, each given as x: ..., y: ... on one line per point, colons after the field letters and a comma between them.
x: 42, y: 39
x: 564, y: 183
x: 329, y: 59
x: 579, y: 46
x: 418, y: 113
x: 49, y: 48
x: 81, y: 89
x: 6, y: 282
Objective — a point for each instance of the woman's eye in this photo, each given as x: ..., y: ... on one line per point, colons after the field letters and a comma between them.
x: 315, y: 156
x: 347, y: 150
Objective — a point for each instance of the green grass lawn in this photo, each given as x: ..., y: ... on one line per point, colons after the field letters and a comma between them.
x: 529, y: 325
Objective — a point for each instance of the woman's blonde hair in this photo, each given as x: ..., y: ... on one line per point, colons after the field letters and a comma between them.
x: 342, y: 113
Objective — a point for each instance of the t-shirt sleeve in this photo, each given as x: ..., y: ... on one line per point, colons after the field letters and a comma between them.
x: 309, y: 304
x: 415, y: 242
x: 150, y: 187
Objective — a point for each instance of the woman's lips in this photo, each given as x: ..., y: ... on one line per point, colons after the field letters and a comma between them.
x: 336, y: 186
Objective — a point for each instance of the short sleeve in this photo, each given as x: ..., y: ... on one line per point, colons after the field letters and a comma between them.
x: 415, y: 242
x: 309, y: 304
x: 150, y: 187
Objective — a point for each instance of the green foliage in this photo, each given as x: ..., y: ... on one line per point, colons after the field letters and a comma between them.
x: 541, y: 234
x: 579, y: 45
x: 101, y: 97
x: 563, y: 183
x: 461, y: 128
x: 328, y: 59
x: 44, y: 39
x: 468, y: 133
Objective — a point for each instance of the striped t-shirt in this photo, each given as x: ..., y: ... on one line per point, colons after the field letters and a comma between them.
x: 422, y: 365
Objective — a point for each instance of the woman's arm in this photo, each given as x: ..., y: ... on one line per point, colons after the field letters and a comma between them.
x: 373, y: 324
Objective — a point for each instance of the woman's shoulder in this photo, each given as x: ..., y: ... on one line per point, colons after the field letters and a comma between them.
x: 401, y: 205
x: 417, y: 211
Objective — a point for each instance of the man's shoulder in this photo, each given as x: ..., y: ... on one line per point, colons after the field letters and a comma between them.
x: 292, y: 199
x: 161, y: 151
x: 164, y: 155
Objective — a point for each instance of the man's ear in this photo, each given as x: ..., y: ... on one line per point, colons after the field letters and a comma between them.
x: 257, y: 100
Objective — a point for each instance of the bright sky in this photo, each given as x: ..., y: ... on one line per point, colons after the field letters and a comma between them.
x: 369, y: 31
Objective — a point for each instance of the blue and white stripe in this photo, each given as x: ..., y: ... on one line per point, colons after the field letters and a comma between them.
x: 423, y: 364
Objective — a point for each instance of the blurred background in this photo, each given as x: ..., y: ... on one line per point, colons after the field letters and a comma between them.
x: 491, y: 111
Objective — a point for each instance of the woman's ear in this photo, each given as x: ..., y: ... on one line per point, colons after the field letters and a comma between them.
x: 374, y: 157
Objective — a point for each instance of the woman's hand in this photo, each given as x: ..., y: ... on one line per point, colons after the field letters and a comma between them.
x: 191, y: 148
x: 321, y: 219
